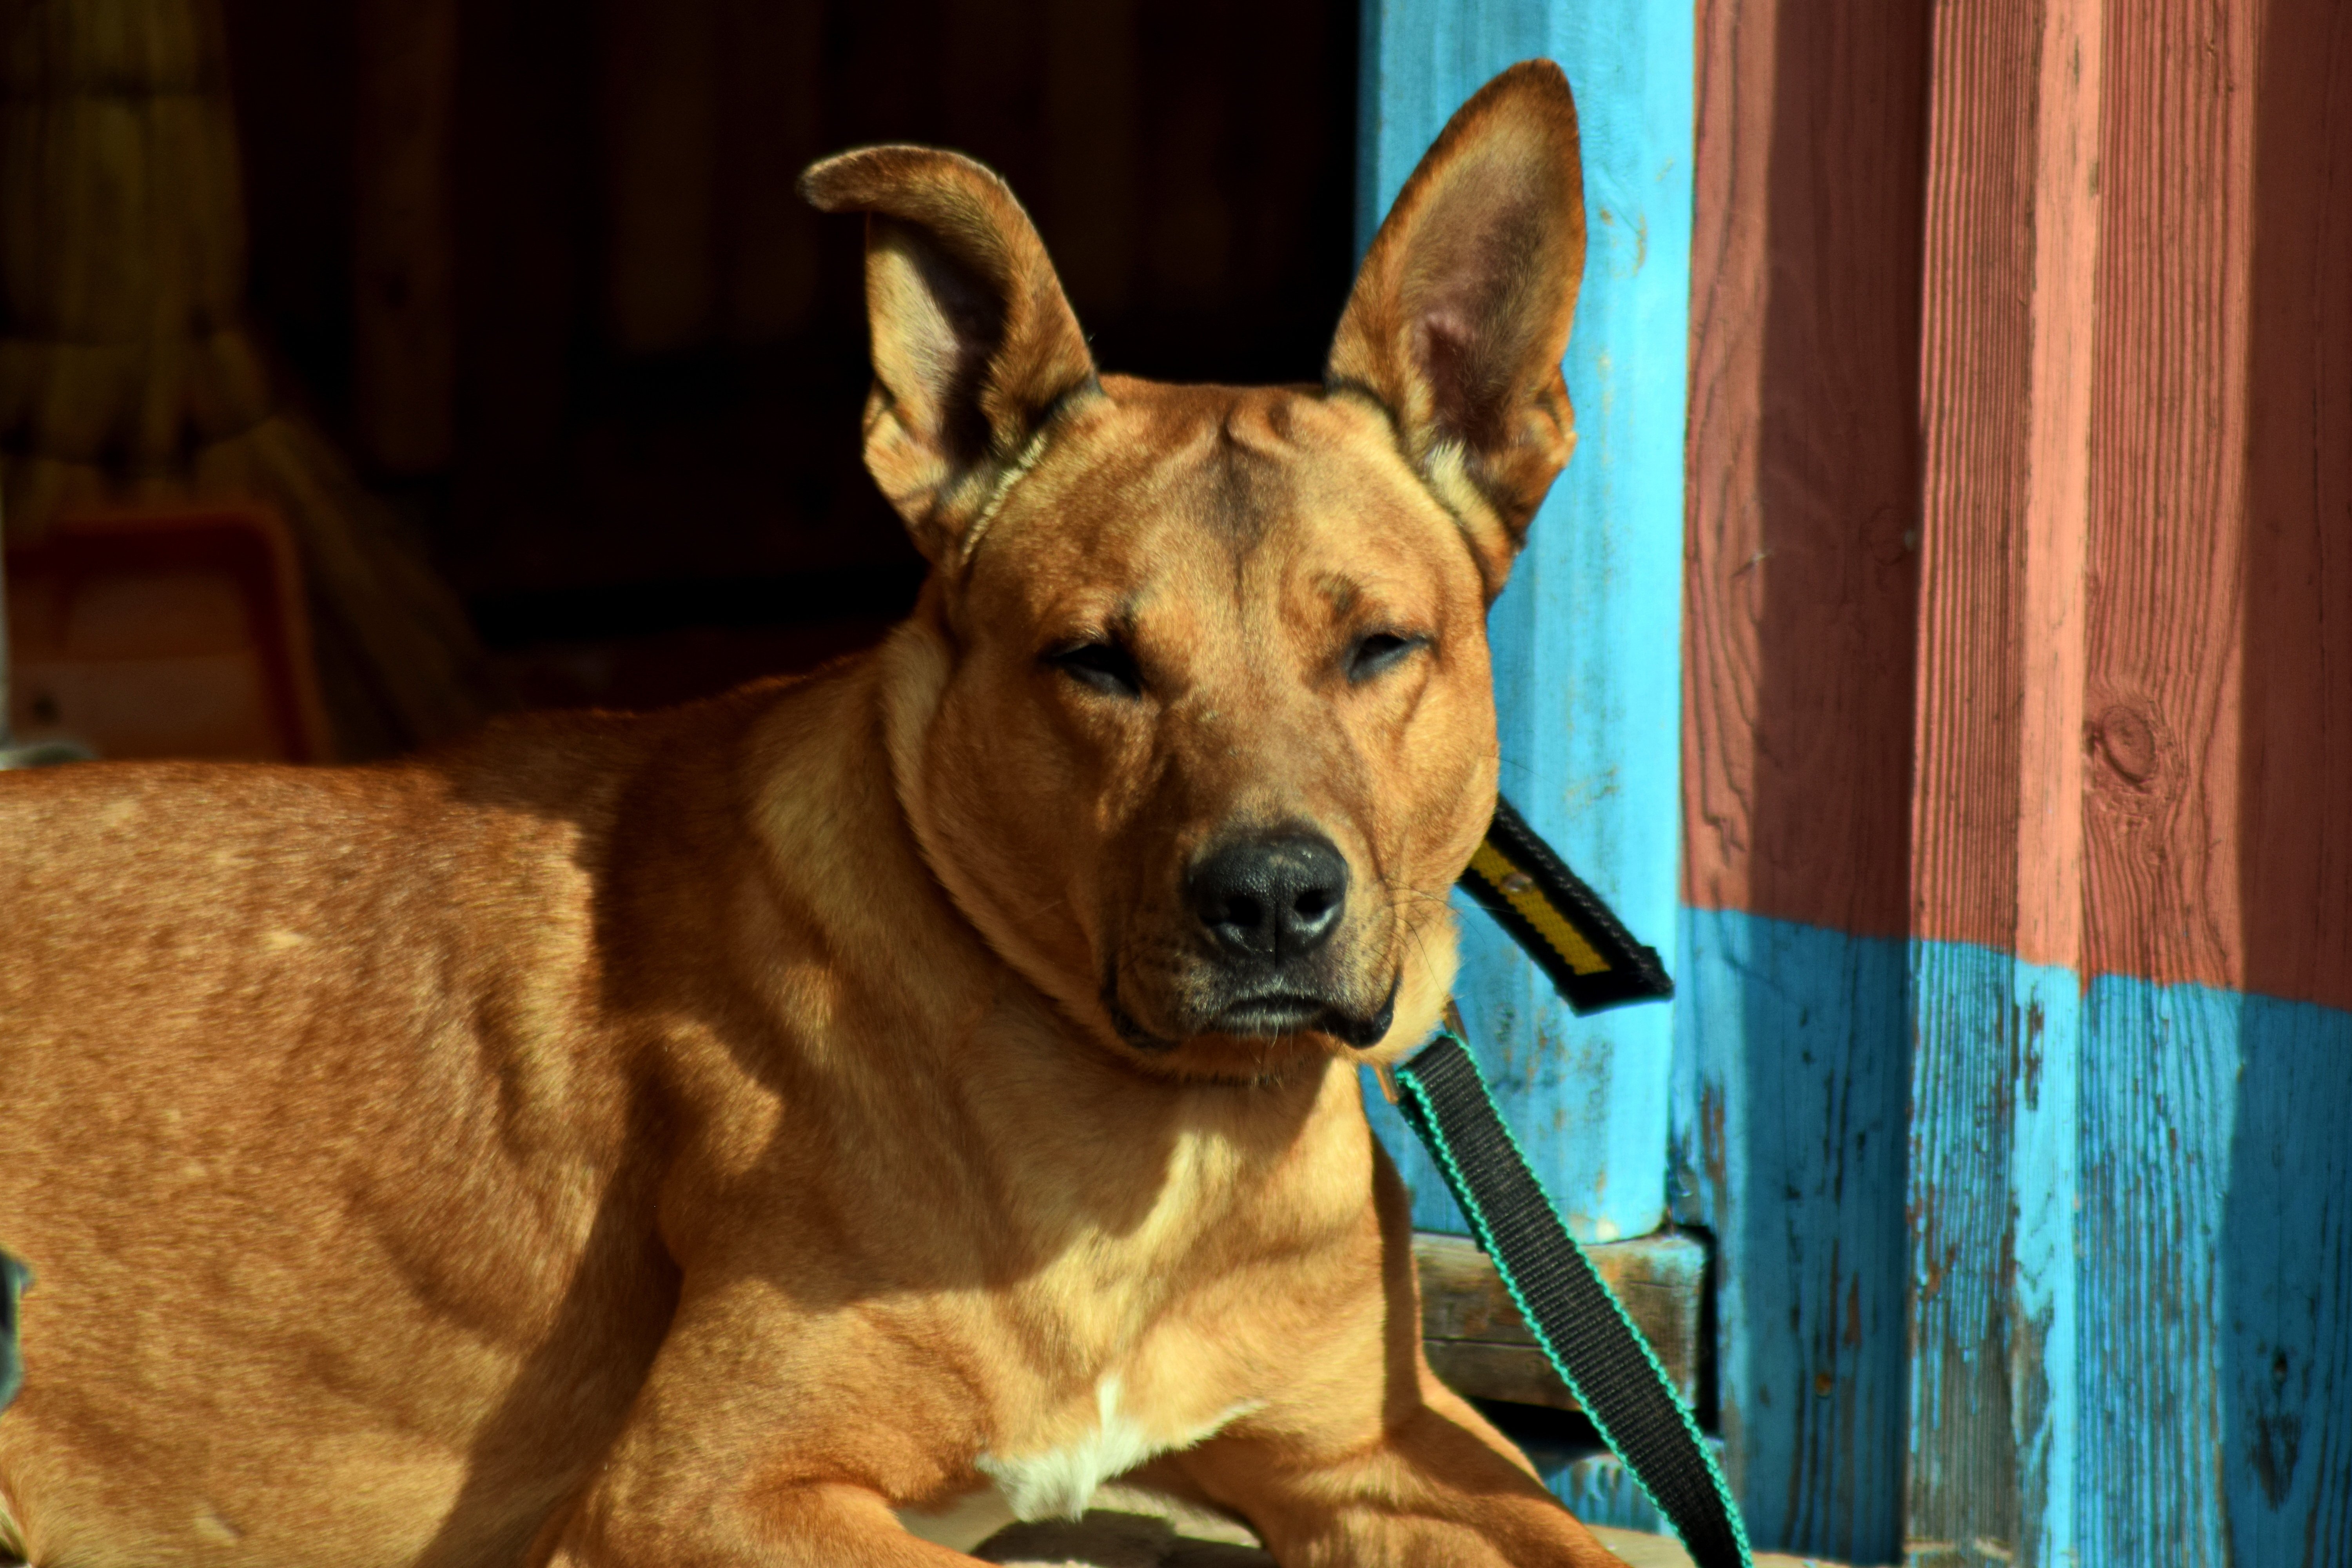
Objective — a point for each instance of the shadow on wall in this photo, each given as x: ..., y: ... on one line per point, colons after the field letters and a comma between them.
x: 2286, y: 1269
x: 1803, y: 495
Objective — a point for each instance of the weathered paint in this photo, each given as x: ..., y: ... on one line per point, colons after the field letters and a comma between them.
x: 2085, y: 1242
x: 2132, y: 712
x: 1587, y: 636
x: 2128, y: 1256
x: 2131, y: 1276
x: 2285, y: 1267
x: 1789, y: 1137
x: 2045, y: 1200
x: 1799, y: 667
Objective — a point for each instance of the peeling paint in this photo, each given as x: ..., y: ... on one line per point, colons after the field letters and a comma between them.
x: 1792, y: 1104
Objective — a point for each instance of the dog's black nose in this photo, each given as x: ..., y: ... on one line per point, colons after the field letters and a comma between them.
x: 1272, y: 897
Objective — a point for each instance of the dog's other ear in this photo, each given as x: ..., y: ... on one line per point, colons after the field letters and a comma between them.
x: 974, y: 346
x: 1460, y: 313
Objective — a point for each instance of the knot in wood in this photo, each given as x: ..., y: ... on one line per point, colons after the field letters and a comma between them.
x: 2127, y: 740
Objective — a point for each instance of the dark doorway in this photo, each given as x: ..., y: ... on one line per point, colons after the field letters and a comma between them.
x: 651, y: 487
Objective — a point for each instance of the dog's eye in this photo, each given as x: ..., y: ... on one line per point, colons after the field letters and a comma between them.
x: 1104, y: 665
x: 1379, y: 651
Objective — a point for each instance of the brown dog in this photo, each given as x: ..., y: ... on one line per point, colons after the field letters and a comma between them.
x: 744, y: 1134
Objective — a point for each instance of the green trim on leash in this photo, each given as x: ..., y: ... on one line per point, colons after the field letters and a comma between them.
x: 1576, y: 1318
x: 1578, y: 942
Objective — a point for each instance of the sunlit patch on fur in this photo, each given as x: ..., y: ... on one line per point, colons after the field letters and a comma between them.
x: 1446, y: 471
x: 12, y: 1535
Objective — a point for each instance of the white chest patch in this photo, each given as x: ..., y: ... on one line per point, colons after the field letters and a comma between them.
x: 1060, y: 1482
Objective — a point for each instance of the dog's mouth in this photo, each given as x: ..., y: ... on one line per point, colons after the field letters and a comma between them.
x: 1279, y: 1013
x: 1268, y: 1015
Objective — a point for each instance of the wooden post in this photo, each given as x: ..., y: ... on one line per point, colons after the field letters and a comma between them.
x: 1585, y: 637
x: 1798, y: 619
x: 2129, y: 1295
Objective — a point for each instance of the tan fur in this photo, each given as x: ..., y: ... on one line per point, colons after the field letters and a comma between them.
x: 701, y: 1138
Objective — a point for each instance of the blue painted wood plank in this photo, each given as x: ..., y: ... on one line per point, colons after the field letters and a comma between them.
x: 2132, y: 1272
x: 1790, y: 1098
x: 2215, y: 1242
x: 2160, y: 1073
x: 2043, y: 1335
x: 1961, y: 1485
x: 2287, y: 1289
x: 1587, y: 636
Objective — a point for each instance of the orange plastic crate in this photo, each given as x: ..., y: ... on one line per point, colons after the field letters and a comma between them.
x: 165, y: 633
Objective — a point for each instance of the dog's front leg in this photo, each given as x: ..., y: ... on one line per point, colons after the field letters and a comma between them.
x: 755, y: 1444
x: 1367, y: 1460
x: 807, y: 1525
x: 1436, y: 1488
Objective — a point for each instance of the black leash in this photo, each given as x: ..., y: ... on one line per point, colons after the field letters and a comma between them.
x: 1575, y: 1317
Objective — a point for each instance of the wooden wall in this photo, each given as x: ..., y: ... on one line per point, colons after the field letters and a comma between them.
x: 1802, y: 484
x: 2017, y: 683
x: 2132, y: 1081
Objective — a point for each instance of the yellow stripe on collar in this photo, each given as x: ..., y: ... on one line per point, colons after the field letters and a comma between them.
x: 1523, y: 893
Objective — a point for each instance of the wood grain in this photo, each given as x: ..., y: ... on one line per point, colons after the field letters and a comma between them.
x: 2295, y: 759
x: 1789, y: 1121
x: 2138, y: 465
x: 1478, y: 1343
x: 1802, y: 463
x: 1975, y: 377
x: 2169, y: 454
x: 2195, y: 426
x: 1801, y: 481
x: 2001, y: 540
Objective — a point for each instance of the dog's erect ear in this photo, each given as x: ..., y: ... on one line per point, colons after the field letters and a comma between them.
x: 974, y: 345
x: 1460, y: 315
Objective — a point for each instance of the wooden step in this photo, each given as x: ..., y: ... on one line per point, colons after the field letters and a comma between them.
x: 1478, y: 1343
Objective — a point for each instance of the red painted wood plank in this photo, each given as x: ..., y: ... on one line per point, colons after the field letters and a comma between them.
x: 2294, y: 759
x: 2009, y: 396
x: 2051, y: 558
x: 1976, y: 384
x: 2137, y: 498
x: 1802, y: 459
x: 2169, y: 453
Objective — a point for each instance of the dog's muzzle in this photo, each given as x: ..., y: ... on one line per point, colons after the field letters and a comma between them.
x: 1269, y: 904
